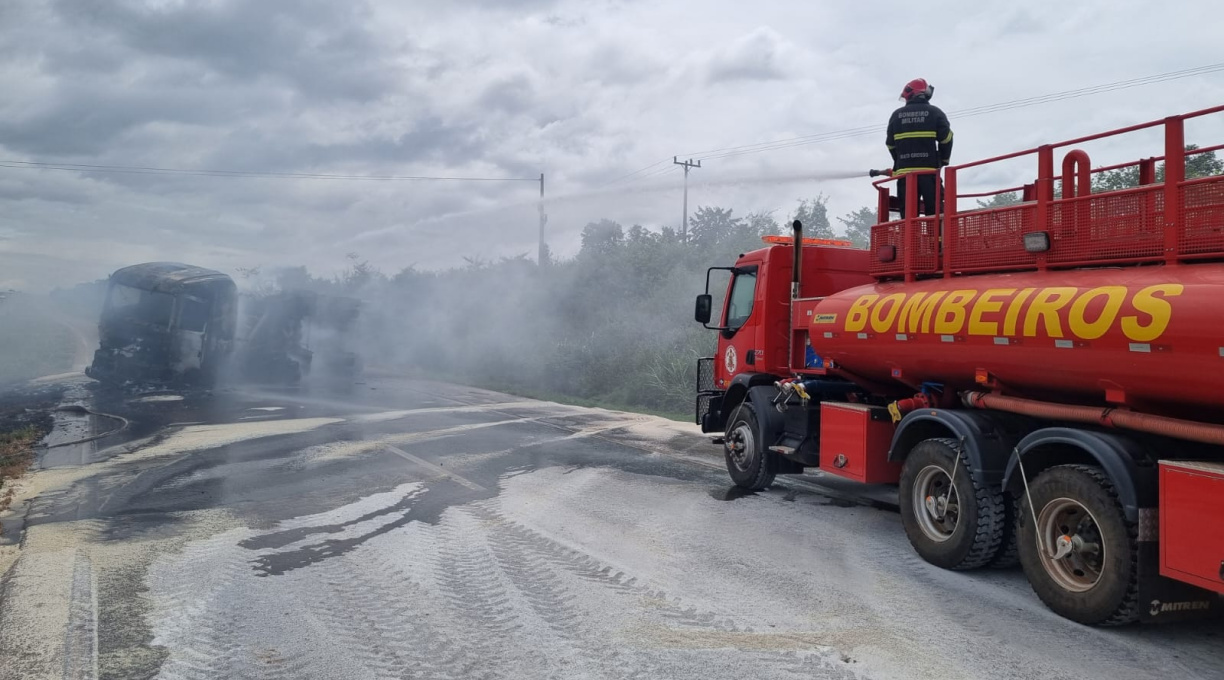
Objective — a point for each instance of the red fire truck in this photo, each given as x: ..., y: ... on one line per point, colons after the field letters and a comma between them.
x: 1043, y: 381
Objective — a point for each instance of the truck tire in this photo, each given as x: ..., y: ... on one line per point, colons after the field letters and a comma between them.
x: 749, y: 462
x: 1097, y: 581
x: 951, y: 520
x: 1009, y: 549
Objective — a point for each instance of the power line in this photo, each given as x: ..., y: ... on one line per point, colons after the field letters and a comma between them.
x: 631, y: 174
x: 727, y: 152
x: 744, y: 149
x: 138, y: 170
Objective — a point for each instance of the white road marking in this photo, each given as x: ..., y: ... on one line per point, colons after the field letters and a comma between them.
x: 384, y: 416
x: 435, y: 468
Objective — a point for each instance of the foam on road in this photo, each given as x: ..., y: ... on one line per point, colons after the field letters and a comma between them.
x: 502, y: 539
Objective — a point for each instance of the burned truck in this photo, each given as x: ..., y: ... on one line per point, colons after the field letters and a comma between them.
x: 177, y: 324
x: 165, y: 322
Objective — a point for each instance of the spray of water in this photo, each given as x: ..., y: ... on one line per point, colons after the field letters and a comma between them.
x: 577, y: 197
x: 754, y: 180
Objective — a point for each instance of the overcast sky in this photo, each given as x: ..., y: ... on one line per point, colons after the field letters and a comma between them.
x: 583, y: 91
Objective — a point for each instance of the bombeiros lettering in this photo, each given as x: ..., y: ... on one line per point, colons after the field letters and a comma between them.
x: 1139, y: 314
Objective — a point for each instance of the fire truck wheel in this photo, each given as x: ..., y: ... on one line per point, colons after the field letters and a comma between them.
x: 1086, y: 567
x: 951, y: 520
x: 1009, y: 550
x: 750, y: 464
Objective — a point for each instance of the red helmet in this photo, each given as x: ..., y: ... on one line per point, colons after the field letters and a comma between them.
x: 917, y: 87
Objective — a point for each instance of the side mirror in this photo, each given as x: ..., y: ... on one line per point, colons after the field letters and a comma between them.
x: 701, y: 311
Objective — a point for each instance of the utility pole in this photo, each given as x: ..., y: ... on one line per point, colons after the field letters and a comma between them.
x: 687, y: 166
x: 543, y: 221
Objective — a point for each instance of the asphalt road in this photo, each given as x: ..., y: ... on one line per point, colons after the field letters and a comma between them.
x: 413, y: 529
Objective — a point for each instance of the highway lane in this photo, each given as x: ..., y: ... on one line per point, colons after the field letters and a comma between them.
x: 415, y: 529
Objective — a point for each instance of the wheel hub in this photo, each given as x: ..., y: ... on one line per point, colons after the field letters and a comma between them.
x: 742, y: 446
x: 936, y: 503
x: 1075, y: 556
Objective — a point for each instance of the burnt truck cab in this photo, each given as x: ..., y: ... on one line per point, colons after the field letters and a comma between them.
x: 165, y: 322
x: 754, y: 325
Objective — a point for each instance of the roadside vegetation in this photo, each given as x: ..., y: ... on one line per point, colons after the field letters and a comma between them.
x: 25, y: 417
x: 16, y: 453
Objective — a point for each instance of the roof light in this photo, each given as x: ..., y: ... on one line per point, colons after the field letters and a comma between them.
x: 787, y: 240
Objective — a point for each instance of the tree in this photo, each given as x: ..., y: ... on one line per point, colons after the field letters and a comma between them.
x: 999, y: 201
x: 602, y: 237
x: 359, y: 274
x: 762, y: 223
x: 710, y: 226
x: 1198, y: 165
x: 814, y: 214
x: 858, y: 226
x: 295, y: 278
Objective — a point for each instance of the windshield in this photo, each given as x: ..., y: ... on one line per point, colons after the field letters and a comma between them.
x: 134, y: 304
x: 193, y: 314
x: 739, y: 303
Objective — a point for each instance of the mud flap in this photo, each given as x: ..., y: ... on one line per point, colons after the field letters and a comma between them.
x: 1163, y: 599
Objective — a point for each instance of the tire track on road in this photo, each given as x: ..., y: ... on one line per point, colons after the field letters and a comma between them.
x: 526, y: 553
x: 81, y: 636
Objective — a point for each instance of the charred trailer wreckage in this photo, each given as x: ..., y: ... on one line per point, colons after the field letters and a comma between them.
x: 178, y: 324
x: 285, y: 337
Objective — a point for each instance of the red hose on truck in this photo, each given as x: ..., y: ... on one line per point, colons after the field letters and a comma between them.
x: 1108, y: 417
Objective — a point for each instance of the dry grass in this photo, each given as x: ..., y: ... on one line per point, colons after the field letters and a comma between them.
x: 16, y: 454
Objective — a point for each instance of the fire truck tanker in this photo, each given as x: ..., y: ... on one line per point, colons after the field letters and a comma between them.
x: 1043, y: 381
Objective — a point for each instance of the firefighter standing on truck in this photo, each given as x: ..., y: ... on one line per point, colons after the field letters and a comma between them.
x: 919, y: 138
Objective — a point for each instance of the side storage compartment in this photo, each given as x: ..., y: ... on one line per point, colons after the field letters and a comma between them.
x: 854, y: 441
x: 1192, y: 523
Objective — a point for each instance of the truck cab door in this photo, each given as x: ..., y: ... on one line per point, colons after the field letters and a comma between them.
x: 739, y: 339
x: 190, y: 324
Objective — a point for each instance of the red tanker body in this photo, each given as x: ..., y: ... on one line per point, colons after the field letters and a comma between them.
x: 1041, y: 381
x: 1089, y: 336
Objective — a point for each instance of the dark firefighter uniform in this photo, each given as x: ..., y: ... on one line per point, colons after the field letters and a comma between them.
x: 919, y: 138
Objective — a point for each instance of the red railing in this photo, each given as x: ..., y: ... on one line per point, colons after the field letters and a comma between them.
x: 1113, y: 227
x: 1202, y: 218
x: 907, y: 247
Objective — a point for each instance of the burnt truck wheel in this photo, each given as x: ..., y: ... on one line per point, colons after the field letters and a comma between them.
x: 1086, y: 566
x: 951, y: 520
x: 749, y: 462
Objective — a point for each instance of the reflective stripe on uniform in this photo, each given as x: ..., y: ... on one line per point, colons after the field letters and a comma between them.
x: 924, y: 134
x: 947, y: 139
x: 905, y: 170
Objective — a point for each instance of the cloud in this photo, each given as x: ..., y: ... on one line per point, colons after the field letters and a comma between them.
x: 320, y: 49
x: 584, y: 92
x: 761, y: 55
